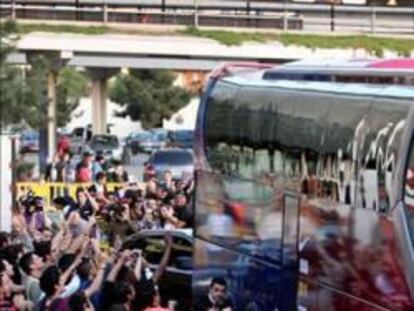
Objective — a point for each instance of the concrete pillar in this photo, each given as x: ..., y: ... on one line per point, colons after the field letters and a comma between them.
x: 99, y: 78
x: 51, y: 113
x: 99, y: 105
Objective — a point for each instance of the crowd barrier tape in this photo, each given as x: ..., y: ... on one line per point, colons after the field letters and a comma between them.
x: 51, y: 190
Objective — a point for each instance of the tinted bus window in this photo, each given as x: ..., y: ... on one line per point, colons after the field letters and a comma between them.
x: 218, y: 128
x: 386, y: 120
x: 239, y: 214
x: 251, y: 284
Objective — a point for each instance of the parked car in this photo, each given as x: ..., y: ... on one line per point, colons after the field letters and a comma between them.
x: 179, y: 161
x: 107, y: 145
x: 181, y: 139
x: 144, y: 142
x: 29, y: 141
x: 78, y: 138
x: 81, y: 136
x: 175, y: 283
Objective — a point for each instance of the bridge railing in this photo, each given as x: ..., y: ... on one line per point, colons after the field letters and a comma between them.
x: 286, y: 16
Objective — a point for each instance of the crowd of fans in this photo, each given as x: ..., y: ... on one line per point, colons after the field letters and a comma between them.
x: 70, y: 272
x: 64, y: 168
x: 163, y: 203
x: 69, y: 256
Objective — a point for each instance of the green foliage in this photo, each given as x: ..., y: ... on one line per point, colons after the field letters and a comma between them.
x: 227, y: 37
x: 23, y: 92
x: 90, y: 30
x: 35, y: 99
x: 148, y: 96
x: 374, y: 45
x: 8, y: 29
x: 71, y: 86
x: 11, y: 78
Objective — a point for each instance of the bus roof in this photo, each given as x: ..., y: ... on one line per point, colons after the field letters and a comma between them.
x: 333, y: 87
x: 356, y: 67
x: 360, y: 63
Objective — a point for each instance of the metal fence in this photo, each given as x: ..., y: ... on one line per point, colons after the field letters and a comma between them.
x: 49, y: 191
x: 284, y: 16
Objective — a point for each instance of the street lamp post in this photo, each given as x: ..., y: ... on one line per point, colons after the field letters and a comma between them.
x: 333, y: 15
x: 196, y: 13
x: 285, y: 16
x: 77, y: 9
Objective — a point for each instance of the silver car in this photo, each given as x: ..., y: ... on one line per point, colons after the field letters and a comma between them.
x: 106, y: 145
x: 179, y: 161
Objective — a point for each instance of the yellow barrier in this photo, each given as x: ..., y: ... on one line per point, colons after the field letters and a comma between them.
x: 50, y: 191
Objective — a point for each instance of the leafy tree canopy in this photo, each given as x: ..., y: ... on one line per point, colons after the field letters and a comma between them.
x: 23, y: 91
x: 11, y: 78
x: 148, y: 96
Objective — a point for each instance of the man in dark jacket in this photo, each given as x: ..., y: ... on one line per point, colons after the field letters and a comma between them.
x: 217, y: 298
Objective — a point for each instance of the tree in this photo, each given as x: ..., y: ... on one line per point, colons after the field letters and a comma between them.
x: 148, y: 96
x: 23, y: 92
x: 71, y: 86
x: 11, y: 78
x: 35, y: 97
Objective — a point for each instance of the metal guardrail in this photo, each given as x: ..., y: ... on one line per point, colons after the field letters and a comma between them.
x: 286, y: 16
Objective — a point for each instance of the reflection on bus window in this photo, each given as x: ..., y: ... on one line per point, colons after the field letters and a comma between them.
x: 409, y: 194
x: 244, y: 214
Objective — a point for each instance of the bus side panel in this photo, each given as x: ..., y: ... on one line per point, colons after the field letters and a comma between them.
x: 347, y: 240
x: 252, y: 284
x: 314, y: 297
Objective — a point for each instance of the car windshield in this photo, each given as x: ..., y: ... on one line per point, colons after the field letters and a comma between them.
x: 33, y: 135
x: 173, y: 158
x: 111, y: 141
x: 183, y: 135
x: 143, y: 136
x: 160, y: 136
x: 78, y: 132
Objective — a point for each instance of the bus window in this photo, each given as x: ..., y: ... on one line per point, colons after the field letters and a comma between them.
x: 386, y: 120
x: 218, y: 128
x: 240, y: 214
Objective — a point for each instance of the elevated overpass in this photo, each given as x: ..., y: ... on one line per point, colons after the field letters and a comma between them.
x: 104, y: 55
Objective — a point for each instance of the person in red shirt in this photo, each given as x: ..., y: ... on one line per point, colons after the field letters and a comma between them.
x: 63, y: 145
x: 84, y: 169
